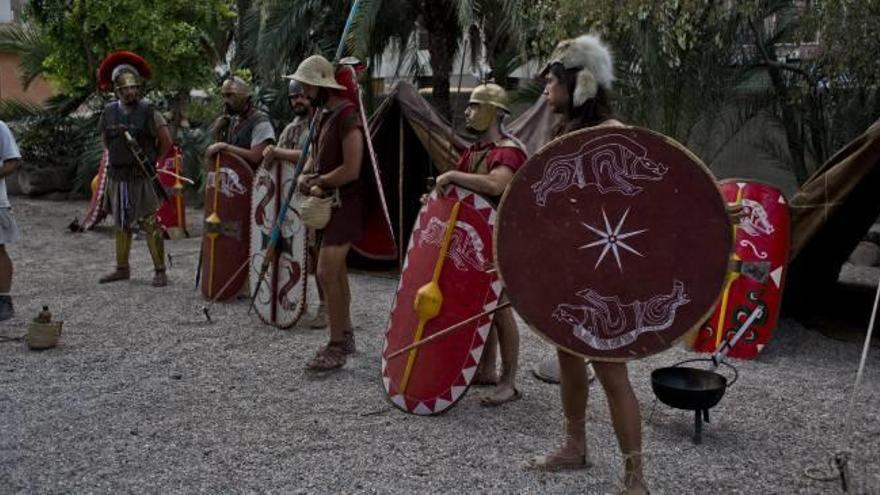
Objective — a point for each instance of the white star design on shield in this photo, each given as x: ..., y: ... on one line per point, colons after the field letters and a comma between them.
x: 612, y: 239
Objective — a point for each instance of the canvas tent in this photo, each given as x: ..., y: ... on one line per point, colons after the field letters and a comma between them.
x: 413, y: 142
x: 831, y: 213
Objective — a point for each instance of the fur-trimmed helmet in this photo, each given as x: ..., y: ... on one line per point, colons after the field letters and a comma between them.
x: 589, y: 54
x: 122, y: 69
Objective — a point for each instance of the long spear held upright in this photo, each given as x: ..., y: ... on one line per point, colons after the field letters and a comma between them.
x: 272, y: 245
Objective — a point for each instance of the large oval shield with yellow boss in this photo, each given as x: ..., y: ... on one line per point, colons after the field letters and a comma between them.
x: 447, y: 278
x: 226, y: 243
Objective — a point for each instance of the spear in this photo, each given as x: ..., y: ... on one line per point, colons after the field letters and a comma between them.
x: 274, y: 238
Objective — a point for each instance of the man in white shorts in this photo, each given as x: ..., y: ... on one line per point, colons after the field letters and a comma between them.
x: 10, y: 159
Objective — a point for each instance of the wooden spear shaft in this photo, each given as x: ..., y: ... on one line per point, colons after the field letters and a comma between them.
x: 445, y: 331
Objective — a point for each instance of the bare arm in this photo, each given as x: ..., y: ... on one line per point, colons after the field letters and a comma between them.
x: 493, y: 184
x: 353, y: 154
x: 9, y: 167
x: 273, y: 152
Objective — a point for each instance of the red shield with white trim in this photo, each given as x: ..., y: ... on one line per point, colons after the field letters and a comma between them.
x: 432, y: 377
x: 761, y: 253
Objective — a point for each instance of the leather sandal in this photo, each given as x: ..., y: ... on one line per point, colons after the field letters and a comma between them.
x: 328, y: 358
x: 348, y: 344
x: 121, y: 273
x: 557, y: 462
x: 160, y: 279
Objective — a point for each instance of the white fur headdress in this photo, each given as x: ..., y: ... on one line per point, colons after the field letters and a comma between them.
x: 588, y: 53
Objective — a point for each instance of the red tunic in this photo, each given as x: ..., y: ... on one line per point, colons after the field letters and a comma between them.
x: 482, y: 158
x: 347, y: 221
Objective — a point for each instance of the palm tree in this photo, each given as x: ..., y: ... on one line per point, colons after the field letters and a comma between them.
x: 290, y: 29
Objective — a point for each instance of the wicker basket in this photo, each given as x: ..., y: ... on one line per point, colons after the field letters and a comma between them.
x: 43, y: 335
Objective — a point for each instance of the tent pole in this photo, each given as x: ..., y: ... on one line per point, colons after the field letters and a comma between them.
x: 400, y: 253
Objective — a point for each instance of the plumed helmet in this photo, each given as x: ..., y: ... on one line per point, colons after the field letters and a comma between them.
x: 490, y: 94
x: 122, y: 69
x: 589, y: 54
x: 316, y: 71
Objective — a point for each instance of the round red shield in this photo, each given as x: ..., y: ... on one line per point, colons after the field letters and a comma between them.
x: 614, y: 242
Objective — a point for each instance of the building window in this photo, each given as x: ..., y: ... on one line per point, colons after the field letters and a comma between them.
x: 5, y: 11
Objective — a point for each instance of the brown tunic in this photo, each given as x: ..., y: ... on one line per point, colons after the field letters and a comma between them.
x: 347, y: 220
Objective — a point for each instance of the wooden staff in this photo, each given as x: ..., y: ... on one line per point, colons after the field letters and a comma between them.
x: 446, y: 331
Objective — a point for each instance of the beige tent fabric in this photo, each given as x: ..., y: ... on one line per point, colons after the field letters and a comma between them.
x: 535, y: 126
x: 849, y: 182
x: 434, y: 132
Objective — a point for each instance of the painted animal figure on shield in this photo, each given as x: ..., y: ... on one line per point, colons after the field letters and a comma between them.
x: 611, y: 163
x: 606, y: 323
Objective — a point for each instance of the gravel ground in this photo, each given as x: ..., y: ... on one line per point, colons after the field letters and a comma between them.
x: 143, y: 395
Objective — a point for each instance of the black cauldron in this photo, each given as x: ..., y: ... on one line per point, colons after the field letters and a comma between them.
x: 691, y: 389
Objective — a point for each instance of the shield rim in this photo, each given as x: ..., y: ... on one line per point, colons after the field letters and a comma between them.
x: 599, y: 129
x: 280, y: 192
x: 495, y: 286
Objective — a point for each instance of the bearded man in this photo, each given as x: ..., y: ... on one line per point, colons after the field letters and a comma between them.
x: 243, y: 131
x: 134, y: 134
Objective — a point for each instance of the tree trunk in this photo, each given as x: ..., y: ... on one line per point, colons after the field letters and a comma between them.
x: 443, y: 34
x: 179, y: 119
x: 793, y: 126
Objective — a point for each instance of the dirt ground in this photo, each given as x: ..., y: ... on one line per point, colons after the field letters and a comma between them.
x: 144, y: 395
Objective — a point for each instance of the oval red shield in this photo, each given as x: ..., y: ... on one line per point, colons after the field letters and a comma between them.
x: 226, y: 241
x: 613, y: 242
x: 441, y: 370
x: 761, y: 251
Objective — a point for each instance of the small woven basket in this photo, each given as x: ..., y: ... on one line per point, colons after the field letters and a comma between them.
x: 43, y: 335
x: 315, y: 211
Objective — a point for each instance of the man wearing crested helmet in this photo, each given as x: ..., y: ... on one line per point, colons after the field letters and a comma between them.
x: 487, y: 167
x: 130, y: 195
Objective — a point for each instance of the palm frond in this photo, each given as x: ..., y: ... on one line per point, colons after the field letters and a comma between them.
x: 26, y: 42
x: 14, y: 109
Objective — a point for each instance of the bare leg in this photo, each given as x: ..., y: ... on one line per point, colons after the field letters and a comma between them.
x: 486, y: 373
x: 626, y: 419
x: 508, y: 343
x: 319, y: 319
x: 333, y: 278
x: 573, y: 392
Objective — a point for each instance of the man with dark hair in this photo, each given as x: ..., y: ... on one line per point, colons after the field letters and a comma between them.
x: 290, y: 143
x: 132, y: 130
x: 579, y: 77
x: 334, y: 167
x: 10, y: 159
x: 243, y: 131
x: 487, y: 167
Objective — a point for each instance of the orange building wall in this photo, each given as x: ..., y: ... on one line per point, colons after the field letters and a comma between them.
x: 10, y: 86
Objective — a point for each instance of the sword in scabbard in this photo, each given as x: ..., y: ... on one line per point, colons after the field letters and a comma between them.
x: 146, y: 168
x: 270, y: 251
